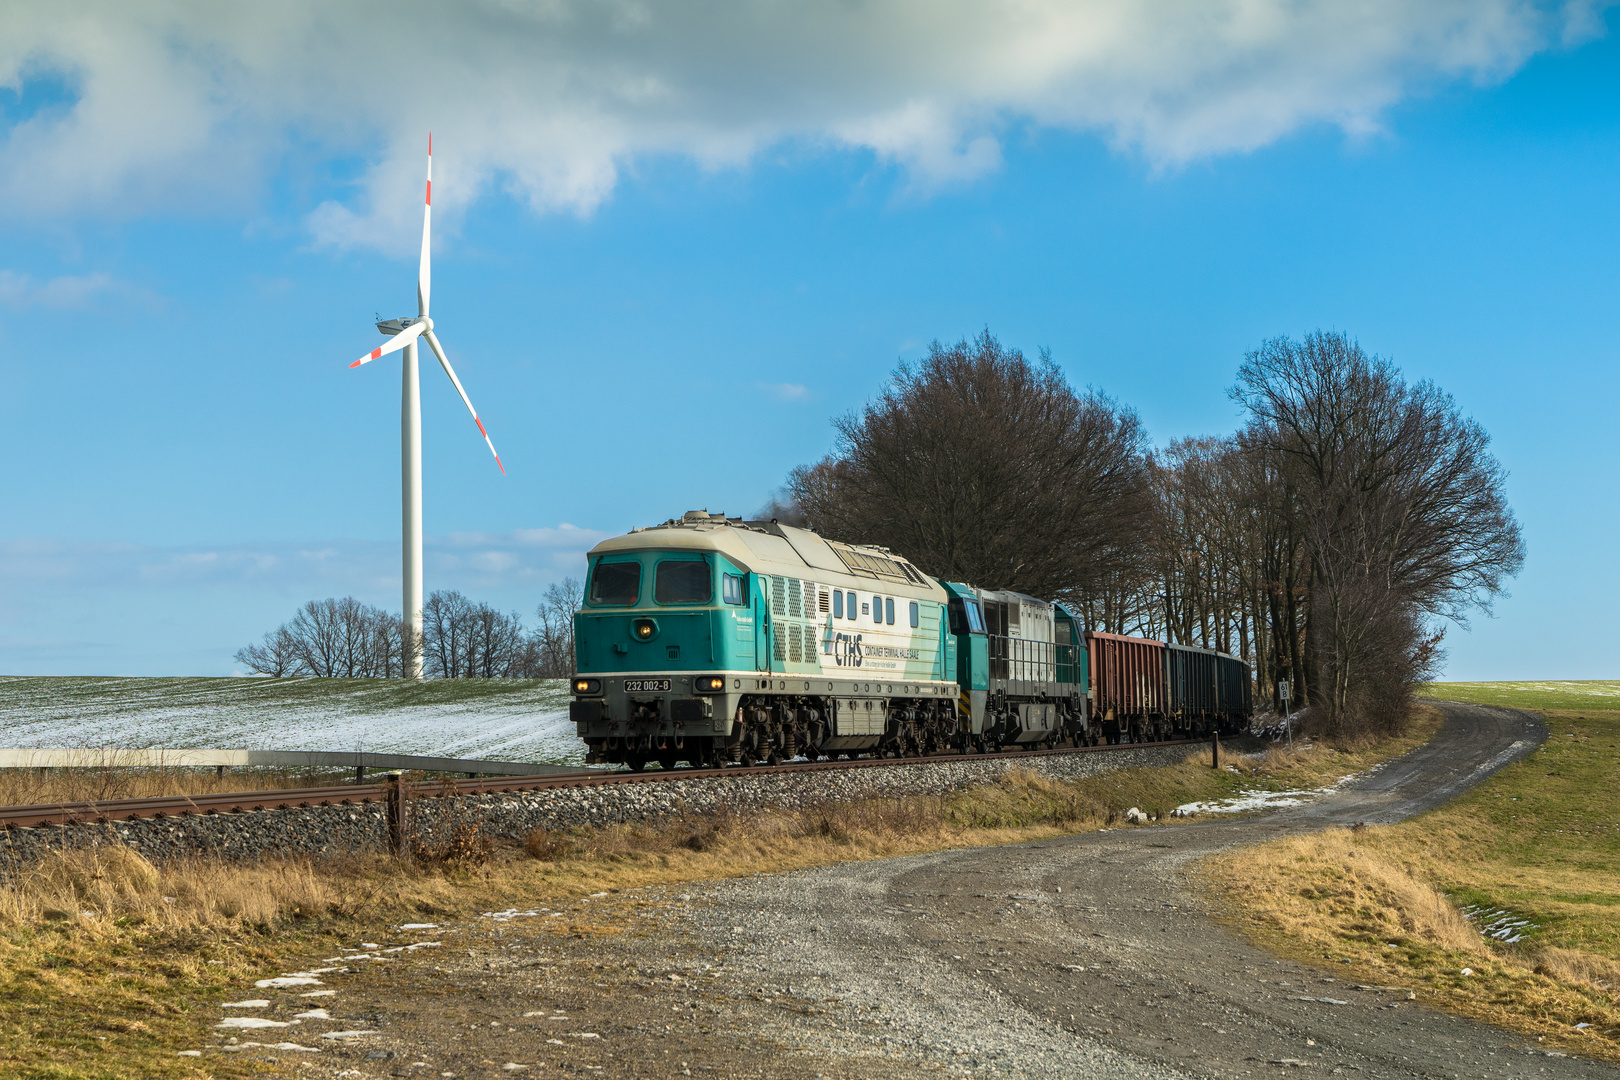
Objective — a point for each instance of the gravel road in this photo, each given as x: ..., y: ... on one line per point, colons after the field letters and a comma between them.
x: 1082, y: 957
x: 1088, y: 956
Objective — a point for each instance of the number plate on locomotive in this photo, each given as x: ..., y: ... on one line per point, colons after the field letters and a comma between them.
x: 645, y: 686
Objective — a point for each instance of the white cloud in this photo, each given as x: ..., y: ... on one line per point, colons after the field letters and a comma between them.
x: 179, y: 103
x: 785, y: 391
x: 21, y: 290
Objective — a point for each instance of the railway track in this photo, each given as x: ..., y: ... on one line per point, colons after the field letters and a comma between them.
x: 110, y: 810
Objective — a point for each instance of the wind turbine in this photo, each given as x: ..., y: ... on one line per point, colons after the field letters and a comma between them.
x: 402, y: 334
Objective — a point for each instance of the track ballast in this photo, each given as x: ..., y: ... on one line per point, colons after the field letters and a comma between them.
x: 111, y: 810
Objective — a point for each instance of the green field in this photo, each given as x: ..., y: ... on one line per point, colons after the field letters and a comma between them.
x: 1537, y: 845
x: 1577, y: 695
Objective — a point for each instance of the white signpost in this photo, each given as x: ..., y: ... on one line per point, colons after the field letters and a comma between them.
x: 1284, y: 689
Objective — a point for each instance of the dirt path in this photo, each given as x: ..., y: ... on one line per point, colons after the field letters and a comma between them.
x: 1079, y: 957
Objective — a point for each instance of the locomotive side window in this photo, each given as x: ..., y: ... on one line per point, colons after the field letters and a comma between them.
x: 838, y: 603
x: 914, y: 614
x: 732, y: 588
x: 877, y: 610
x: 975, y: 617
x: 888, y: 611
x: 617, y: 583
x: 682, y: 582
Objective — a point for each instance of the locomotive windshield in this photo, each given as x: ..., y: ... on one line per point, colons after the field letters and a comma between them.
x: 617, y: 583
x: 682, y: 582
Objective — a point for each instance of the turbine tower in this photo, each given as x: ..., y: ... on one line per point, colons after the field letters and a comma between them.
x: 402, y: 334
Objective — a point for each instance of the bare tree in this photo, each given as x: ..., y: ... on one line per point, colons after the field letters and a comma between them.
x: 276, y: 656
x: 467, y: 640
x: 332, y: 638
x: 982, y: 466
x: 553, y: 639
x: 498, y: 643
x: 1403, y: 511
x: 446, y: 633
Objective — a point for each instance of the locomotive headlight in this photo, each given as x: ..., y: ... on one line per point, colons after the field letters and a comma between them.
x: 709, y: 684
x: 644, y: 629
x: 587, y: 686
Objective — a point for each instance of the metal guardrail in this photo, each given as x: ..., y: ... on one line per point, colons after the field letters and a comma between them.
x: 111, y: 810
x: 288, y: 759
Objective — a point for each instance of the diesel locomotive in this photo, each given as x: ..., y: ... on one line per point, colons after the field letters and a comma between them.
x: 714, y: 640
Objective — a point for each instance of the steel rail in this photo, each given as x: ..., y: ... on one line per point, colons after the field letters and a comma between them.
x: 164, y: 806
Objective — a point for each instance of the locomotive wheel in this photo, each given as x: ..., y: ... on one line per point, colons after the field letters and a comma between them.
x: 635, y: 762
x: 667, y: 759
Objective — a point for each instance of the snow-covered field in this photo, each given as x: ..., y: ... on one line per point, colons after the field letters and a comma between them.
x: 497, y: 719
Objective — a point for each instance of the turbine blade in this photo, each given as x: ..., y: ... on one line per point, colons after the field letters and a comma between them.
x: 424, y: 278
x: 444, y: 362
x: 394, y: 344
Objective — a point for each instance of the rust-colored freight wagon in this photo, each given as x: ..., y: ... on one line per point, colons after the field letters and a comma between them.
x: 1127, y: 683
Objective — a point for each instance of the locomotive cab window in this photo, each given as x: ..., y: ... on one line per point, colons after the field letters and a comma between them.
x: 966, y: 618
x: 682, y: 582
x: 975, y: 617
x: 914, y: 614
x: 838, y: 603
x: 616, y: 583
x: 732, y: 588
x: 888, y: 611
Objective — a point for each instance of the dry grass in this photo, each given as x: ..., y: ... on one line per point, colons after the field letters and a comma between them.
x: 1540, y: 839
x: 33, y: 787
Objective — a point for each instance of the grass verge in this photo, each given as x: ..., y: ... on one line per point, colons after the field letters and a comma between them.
x: 110, y: 965
x: 1538, y: 845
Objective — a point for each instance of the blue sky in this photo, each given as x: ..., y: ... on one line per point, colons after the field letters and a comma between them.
x: 660, y: 307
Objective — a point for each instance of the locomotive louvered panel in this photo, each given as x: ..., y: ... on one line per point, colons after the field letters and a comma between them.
x: 795, y: 596
x: 794, y: 655
x: 778, y: 597
x: 825, y: 604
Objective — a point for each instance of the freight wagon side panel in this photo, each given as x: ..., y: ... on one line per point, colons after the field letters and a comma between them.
x: 1127, y: 674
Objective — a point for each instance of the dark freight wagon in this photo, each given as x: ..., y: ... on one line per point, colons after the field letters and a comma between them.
x: 1205, y: 689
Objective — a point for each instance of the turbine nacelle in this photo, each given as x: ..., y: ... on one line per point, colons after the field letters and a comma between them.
x: 390, y: 327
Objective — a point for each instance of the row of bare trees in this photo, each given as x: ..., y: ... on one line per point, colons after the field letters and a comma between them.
x: 1327, y: 541
x: 461, y: 639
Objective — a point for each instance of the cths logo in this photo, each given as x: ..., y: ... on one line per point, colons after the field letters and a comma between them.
x: 846, y: 650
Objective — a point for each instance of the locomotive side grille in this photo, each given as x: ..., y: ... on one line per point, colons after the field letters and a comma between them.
x: 794, y: 653
x: 778, y: 597
x: 825, y: 605
x: 778, y: 642
x: 794, y: 596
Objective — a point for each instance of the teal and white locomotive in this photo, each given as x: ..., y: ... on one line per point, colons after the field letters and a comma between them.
x: 714, y: 640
